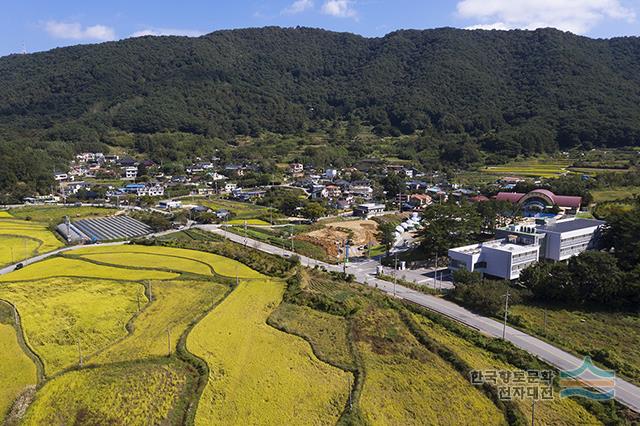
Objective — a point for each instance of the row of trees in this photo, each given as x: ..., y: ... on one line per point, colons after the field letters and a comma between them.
x: 608, y: 278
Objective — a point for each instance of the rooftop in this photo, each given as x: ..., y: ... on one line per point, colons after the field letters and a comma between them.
x: 570, y: 225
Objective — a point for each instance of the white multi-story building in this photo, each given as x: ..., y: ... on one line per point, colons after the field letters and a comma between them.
x: 566, y: 238
x: 499, y: 258
x: 519, y: 246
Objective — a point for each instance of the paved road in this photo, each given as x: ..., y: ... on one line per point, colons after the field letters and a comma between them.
x: 625, y: 392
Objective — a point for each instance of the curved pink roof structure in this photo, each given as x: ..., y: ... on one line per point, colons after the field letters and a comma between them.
x: 544, y: 194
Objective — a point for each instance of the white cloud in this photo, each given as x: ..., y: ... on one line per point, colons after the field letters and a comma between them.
x: 167, y: 32
x: 298, y: 6
x: 75, y: 31
x: 339, y: 8
x: 577, y: 16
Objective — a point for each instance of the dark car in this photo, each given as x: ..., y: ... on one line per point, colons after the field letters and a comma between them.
x: 18, y: 266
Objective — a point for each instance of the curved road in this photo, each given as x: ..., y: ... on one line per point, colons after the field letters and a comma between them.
x: 625, y: 392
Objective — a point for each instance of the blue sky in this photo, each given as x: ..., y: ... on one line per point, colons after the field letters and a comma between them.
x: 42, y: 25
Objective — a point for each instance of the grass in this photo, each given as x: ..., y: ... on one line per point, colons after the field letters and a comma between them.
x: 257, y: 373
x: 175, y: 306
x: 17, y: 371
x: 64, y: 267
x: 612, y: 338
x: 53, y: 215
x: 613, y: 194
x: 221, y: 265
x: 29, y: 231
x: 409, y: 385
x: 123, y: 394
x: 239, y: 210
x: 280, y: 237
x: 58, y: 313
x: 558, y: 411
x: 328, y: 334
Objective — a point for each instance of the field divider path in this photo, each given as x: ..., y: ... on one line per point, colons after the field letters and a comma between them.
x: 625, y: 392
x: 24, y: 344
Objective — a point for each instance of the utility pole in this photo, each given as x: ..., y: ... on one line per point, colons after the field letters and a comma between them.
x: 533, y: 412
x: 506, y: 312
x: 245, y: 233
x: 350, y: 392
x: 545, y: 322
x: 435, y: 273
x: 395, y: 275
x: 138, y: 300
x: 80, y: 360
x: 169, y: 341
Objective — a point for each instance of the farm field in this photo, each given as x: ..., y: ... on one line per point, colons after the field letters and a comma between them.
x: 545, y: 168
x: 120, y: 394
x: 67, y: 267
x: 60, y: 312
x: 407, y: 384
x: 20, y: 239
x: 130, y: 380
x: 612, y: 339
x: 613, y: 194
x: 259, y: 375
x: 175, y: 306
x: 254, y: 222
x: 15, y: 249
x: 240, y: 210
x: 557, y: 411
x: 5, y: 214
x: 53, y: 215
x: 328, y: 334
x: 17, y: 371
x: 170, y: 257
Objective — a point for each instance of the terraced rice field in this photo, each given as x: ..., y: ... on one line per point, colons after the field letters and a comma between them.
x: 17, y: 372
x: 531, y: 168
x: 558, y: 411
x: 14, y: 249
x: 21, y: 239
x: 176, y: 305
x: 150, y: 257
x: 259, y: 375
x: 64, y: 267
x: 406, y: 384
x: 116, y: 394
x: 60, y: 313
x: 5, y: 214
x: 328, y: 334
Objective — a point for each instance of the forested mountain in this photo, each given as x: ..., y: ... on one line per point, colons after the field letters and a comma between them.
x: 508, y: 91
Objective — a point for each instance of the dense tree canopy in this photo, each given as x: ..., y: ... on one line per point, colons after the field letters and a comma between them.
x: 505, y: 93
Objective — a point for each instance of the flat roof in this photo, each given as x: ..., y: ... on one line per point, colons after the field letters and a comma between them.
x: 513, y: 248
x: 571, y: 225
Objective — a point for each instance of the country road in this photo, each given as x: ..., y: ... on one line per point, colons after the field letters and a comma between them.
x: 625, y: 392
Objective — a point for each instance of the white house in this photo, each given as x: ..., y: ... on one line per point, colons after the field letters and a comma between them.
x: 368, y: 209
x: 170, y: 204
x: 130, y: 172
